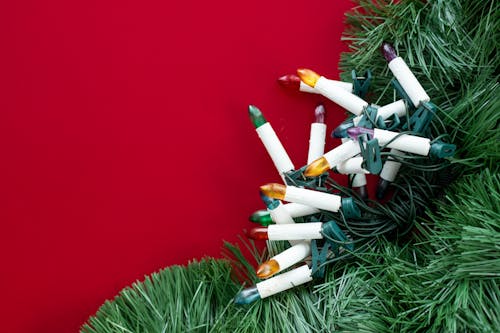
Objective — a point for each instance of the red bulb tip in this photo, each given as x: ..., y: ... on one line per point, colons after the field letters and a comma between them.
x: 290, y: 81
x: 259, y: 233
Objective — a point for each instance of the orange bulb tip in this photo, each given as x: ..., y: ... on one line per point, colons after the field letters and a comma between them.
x: 274, y: 190
x: 308, y: 76
x: 268, y: 269
x: 317, y: 167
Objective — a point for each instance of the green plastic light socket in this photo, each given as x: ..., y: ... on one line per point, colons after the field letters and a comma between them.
x: 421, y: 118
x: 402, y: 93
x: 440, y: 149
x: 369, y: 117
x: 349, y: 208
x: 361, y: 84
x: 341, y: 130
x: 370, y: 150
x: 333, y: 231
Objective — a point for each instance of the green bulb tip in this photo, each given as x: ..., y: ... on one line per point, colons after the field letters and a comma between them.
x: 262, y: 217
x: 256, y: 116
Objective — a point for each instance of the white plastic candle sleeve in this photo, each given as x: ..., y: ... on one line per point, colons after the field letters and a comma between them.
x: 284, y: 281
x: 320, y: 200
x: 345, y: 99
x: 391, y: 167
x: 297, y: 231
x: 308, y: 89
x: 341, y: 153
x: 316, y: 142
x: 275, y: 149
x: 359, y: 180
x: 384, y: 112
x: 280, y: 215
x: 408, y: 143
x: 299, y: 210
x: 408, y: 81
x: 293, y: 255
x: 351, y: 165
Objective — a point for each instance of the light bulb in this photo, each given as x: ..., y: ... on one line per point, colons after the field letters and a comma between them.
x: 256, y: 116
x: 388, y: 51
x: 319, y: 114
x: 259, y: 233
x: 354, y: 132
x: 247, y: 296
x: 290, y: 81
x: 268, y: 269
x: 274, y: 190
x: 317, y: 167
x: 262, y: 217
x: 308, y: 76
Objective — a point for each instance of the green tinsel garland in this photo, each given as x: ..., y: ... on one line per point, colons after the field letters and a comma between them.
x: 446, y: 277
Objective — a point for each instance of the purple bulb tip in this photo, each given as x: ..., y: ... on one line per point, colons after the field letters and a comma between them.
x: 319, y: 114
x: 388, y: 51
x: 354, y: 132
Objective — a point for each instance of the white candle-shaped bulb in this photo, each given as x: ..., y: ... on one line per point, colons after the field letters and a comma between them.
x: 264, y: 217
x: 326, y: 162
x: 345, y: 99
x: 284, y: 260
x: 320, y: 200
x: 404, y: 142
x: 388, y: 173
x: 351, y: 165
x: 398, y: 108
x: 300, y: 210
x: 404, y: 75
x: 358, y: 178
x: 284, y: 281
x: 293, y: 82
x: 295, y: 231
x: 275, y: 285
x: 271, y: 142
x: 305, y: 231
x: 278, y: 212
x: 317, y: 135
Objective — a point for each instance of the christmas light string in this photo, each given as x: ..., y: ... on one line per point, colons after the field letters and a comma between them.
x: 340, y: 221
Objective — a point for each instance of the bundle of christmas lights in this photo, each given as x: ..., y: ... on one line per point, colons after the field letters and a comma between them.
x: 325, y: 222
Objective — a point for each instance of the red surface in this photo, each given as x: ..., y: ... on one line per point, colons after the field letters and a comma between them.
x: 125, y: 140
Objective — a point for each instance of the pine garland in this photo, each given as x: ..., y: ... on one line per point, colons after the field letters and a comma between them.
x: 445, y: 277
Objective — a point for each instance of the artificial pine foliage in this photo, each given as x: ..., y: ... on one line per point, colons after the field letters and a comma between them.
x: 444, y: 276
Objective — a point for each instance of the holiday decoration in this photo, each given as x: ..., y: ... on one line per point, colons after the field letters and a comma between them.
x: 364, y: 141
x: 270, y: 140
x: 318, y: 134
x: 424, y: 260
x: 293, y: 82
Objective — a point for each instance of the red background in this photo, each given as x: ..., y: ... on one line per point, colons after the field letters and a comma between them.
x: 125, y: 140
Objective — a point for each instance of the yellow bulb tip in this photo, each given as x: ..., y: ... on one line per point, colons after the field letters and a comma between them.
x: 308, y: 76
x: 274, y: 190
x: 267, y: 269
x: 317, y: 168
